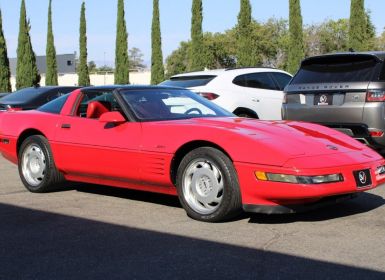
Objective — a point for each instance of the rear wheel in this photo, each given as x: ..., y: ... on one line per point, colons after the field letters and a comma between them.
x: 37, y: 169
x: 208, y: 185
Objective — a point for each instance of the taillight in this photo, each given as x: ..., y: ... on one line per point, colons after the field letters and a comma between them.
x: 14, y: 109
x: 376, y: 133
x: 208, y: 95
x: 375, y: 96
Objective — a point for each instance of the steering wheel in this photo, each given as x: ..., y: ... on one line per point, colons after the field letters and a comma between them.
x: 193, y: 110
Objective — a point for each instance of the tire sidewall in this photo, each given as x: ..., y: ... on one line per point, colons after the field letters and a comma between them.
x: 42, y: 143
x: 230, y: 189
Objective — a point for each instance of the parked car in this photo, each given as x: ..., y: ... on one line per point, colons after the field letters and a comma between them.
x: 2, y: 94
x: 131, y: 137
x: 32, y: 97
x: 246, y: 92
x: 344, y: 91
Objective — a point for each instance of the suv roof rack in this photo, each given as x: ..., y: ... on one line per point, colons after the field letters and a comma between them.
x: 248, y: 67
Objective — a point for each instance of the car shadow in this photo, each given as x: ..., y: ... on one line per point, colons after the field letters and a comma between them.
x: 155, y: 198
x: 365, y: 202
x: 43, y: 245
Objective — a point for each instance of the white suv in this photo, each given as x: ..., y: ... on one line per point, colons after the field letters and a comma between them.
x: 247, y: 92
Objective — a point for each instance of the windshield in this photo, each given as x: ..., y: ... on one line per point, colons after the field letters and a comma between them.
x: 170, y: 104
x: 23, y: 95
x: 188, y: 81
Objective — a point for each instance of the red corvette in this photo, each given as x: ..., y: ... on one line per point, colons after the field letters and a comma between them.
x: 172, y: 141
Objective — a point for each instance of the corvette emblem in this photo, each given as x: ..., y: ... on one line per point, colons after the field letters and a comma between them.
x: 362, y: 177
x: 323, y: 99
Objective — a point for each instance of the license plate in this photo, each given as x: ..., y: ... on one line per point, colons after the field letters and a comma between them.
x: 363, y: 178
x: 323, y: 99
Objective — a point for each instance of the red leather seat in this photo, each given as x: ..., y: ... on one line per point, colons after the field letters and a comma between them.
x: 96, y: 108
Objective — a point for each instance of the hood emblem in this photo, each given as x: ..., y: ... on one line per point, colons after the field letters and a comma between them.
x: 331, y: 147
x: 362, y: 177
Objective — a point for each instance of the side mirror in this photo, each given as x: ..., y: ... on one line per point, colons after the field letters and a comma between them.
x: 112, y: 117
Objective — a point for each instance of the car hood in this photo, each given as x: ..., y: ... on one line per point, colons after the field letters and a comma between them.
x: 265, y: 142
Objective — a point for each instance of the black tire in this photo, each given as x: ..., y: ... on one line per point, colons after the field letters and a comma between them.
x: 225, y: 175
x: 246, y: 115
x: 35, y: 155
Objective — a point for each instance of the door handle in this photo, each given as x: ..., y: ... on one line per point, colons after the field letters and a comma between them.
x: 255, y: 100
x: 66, y: 125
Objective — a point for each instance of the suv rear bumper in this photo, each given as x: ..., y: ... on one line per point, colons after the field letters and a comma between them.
x: 359, y: 132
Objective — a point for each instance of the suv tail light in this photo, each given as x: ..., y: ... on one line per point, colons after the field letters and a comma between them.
x: 375, y: 96
x: 376, y: 133
x: 208, y: 95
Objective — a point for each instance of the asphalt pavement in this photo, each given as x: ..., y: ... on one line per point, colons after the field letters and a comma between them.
x: 96, y: 232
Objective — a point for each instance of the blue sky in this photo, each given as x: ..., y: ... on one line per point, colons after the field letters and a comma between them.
x: 219, y: 15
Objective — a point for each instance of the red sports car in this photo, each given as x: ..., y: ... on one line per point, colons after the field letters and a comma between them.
x: 170, y: 140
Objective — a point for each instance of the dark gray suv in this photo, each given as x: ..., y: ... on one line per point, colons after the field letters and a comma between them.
x: 344, y: 91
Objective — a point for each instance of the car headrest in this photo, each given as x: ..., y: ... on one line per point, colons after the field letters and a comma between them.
x: 96, y: 108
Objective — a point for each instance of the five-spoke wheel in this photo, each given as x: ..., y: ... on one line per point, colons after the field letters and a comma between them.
x: 36, y: 166
x: 208, y: 185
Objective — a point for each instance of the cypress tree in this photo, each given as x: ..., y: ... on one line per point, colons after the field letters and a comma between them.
x: 296, y: 45
x: 83, y: 75
x: 122, y: 66
x: 357, y: 26
x: 5, y: 74
x: 196, y: 54
x: 244, y: 38
x: 157, y: 69
x: 27, y: 73
x: 51, y: 74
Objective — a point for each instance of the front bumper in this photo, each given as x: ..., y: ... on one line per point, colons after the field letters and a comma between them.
x: 269, y: 196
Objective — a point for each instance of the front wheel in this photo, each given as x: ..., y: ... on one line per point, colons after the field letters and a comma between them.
x: 37, y: 169
x: 207, y: 184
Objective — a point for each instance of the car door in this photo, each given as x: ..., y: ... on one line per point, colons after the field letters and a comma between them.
x: 86, y: 147
x: 261, y: 94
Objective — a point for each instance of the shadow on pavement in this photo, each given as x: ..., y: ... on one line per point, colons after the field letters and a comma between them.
x: 156, y: 198
x: 365, y: 202
x: 42, y: 245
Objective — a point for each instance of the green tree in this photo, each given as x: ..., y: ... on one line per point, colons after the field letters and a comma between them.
x: 27, y: 73
x: 380, y: 41
x: 296, y: 51
x: 357, y: 26
x: 157, y: 68
x: 135, y: 57
x: 51, y: 74
x: 5, y: 74
x: 244, y: 36
x: 122, y: 67
x: 370, y: 32
x: 327, y: 37
x: 196, y: 54
x: 83, y: 74
x: 178, y: 61
x: 92, y: 67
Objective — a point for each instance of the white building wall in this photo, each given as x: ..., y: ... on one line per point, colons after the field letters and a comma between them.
x: 136, y: 78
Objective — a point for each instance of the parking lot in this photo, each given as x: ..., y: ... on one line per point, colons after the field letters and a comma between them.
x: 95, y: 232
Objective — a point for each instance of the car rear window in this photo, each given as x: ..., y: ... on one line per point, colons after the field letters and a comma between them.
x: 54, y: 106
x: 335, y: 69
x: 188, y: 81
